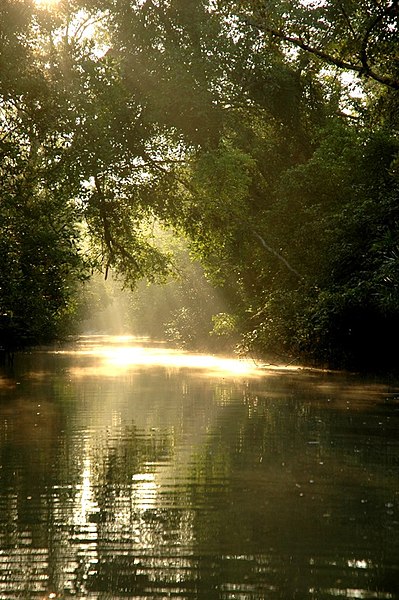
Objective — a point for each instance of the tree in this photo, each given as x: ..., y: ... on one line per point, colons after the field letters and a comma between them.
x: 72, y: 159
x: 228, y: 122
x: 272, y: 201
x: 352, y: 36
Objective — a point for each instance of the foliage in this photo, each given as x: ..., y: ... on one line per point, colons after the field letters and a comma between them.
x: 338, y: 216
x: 182, y: 308
x: 73, y: 163
x: 232, y: 123
x: 359, y: 37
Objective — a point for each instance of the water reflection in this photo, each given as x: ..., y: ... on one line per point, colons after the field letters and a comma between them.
x: 119, y: 354
x: 128, y: 472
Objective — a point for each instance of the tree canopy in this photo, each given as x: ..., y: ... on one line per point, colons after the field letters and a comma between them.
x: 264, y: 133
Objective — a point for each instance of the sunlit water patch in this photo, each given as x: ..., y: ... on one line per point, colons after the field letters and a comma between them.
x: 123, y: 352
x: 134, y: 471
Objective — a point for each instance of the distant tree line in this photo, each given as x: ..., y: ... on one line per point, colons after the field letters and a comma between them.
x: 264, y: 133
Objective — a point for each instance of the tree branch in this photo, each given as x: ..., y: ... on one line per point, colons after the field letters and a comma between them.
x: 363, y: 69
x: 158, y: 165
x: 365, y: 42
x: 277, y: 255
x: 347, y: 19
x: 111, y: 243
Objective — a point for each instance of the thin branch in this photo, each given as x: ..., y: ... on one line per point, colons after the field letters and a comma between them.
x: 347, y: 19
x: 91, y: 21
x: 277, y: 255
x: 340, y: 113
x: 111, y: 243
x: 365, y: 42
x: 128, y: 256
x: 156, y: 164
x: 328, y: 58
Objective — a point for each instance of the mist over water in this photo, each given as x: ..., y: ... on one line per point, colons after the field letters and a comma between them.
x: 130, y: 470
x: 181, y: 310
x: 108, y: 307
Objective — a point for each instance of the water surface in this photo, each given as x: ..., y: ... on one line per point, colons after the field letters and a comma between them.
x: 134, y: 471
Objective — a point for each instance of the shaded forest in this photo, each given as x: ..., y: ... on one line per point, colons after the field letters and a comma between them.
x: 242, y: 156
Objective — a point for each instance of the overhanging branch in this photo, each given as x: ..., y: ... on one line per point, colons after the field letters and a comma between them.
x: 362, y: 69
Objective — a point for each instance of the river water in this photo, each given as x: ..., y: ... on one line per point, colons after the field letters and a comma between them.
x: 129, y: 470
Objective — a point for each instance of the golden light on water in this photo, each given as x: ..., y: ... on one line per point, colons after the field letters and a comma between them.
x: 124, y: 357
x: 47, y: 4
x: 126, y: 352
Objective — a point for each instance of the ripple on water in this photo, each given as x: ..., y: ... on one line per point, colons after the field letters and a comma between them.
x: 148, y: 478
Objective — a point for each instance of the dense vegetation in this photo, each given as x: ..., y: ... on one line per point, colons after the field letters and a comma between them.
x: 263, y: 133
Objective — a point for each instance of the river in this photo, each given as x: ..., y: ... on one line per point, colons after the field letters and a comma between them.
x: 130, y: 470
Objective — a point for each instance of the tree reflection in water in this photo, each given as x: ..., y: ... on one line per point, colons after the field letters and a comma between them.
x: 149, y: 478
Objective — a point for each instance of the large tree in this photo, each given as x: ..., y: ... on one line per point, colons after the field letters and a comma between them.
x: 229, y: 122
x: 360, y: 37
x: 78, y: 161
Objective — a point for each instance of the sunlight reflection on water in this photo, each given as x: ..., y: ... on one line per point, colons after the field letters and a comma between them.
x: 124, y: 352
x: 130, y: 470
